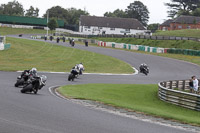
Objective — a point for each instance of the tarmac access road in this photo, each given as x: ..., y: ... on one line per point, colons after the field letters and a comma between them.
x: 46, y: 113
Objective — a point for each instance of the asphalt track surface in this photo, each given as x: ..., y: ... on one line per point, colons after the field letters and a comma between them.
x: 46, y: 113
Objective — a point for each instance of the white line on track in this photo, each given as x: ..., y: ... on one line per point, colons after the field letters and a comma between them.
x: 136, y: 72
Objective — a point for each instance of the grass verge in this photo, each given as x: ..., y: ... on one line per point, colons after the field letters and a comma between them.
x: 179, y: 33
x: 25, y: 54
x: 142, y: 98
x: 13, y: 31
x: 188, y: 58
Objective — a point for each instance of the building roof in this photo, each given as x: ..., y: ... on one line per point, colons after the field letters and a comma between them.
x: 26, y: 20
x: 187, y: 19
x: 125, y: 23
x: 167, y: 22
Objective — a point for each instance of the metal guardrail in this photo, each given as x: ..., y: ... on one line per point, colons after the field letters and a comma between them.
x: 174, y: 92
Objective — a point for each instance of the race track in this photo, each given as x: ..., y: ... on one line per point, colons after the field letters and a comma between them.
x: 46, y: 113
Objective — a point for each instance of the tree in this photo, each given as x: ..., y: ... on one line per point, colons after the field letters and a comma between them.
x: 57, y: 12
x: 32, y: 12
x: 138, y: 11
x: 117, y: 13
x: 74, y: 15
x: 153, y: 27
x: 182, y: 7
x: 52, y: 24
x: 70, y: 16
x: 196, y: 12
x: 12, y: 8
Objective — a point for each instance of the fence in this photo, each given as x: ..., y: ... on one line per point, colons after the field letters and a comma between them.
x: 177, y: 92
x: 137, y: 36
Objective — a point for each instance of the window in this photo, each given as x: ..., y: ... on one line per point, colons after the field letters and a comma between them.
x: 100, y: 27
x: 87, y: 27
x: 180, y: 26
x: 112, y: 28
x: 188, y: 27
x: 127, y: 29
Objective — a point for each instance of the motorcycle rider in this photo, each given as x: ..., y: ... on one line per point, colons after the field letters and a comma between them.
x: 81, y: 68
x: 73, y: 42
x: 33, y: 72
x: 75, y: 70
x: 143, y: 66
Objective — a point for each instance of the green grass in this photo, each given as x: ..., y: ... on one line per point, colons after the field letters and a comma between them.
x: 25, y: 54
x: 179, y: 33
x: 188, y: 58
x: 182, y: 44
x: 13, y: 31
x: 142, y: 98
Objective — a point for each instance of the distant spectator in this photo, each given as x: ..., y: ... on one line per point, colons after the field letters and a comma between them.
x: 195, y: 84
x: 191, y: 84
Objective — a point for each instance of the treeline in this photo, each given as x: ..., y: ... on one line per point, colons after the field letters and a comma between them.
x: 135, y: 10
x: 70, y: 16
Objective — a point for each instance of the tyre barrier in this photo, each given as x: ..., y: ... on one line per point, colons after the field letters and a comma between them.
x: 131, y: 47
x: 150, y: 49
x: 177, y: 92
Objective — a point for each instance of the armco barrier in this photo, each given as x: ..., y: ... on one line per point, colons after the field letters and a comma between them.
x: 178, y: 96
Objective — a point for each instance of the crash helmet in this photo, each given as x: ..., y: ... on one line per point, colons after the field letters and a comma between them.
x: 34, y: 70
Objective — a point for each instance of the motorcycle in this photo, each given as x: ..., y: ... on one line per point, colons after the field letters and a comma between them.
x: 34, y: 84
x: 73, y: 43
x: 74, y: 74
x: 22, y: 80
x: 144, y: 70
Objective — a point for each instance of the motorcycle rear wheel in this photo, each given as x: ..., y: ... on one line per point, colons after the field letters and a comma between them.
x: 27, y: 88
x: 19, y: 82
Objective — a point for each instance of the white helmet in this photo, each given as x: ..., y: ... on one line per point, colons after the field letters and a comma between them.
x: 34, y: 70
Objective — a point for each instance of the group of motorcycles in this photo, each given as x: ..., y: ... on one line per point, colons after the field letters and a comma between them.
x: 75, y: 71
x: 29, y: 81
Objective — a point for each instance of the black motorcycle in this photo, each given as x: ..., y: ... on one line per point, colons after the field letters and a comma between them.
x: 144, y: 69
x: 73, y: 43
x: 22, y: 80
x: 74, y: 74
x: 34, y: 84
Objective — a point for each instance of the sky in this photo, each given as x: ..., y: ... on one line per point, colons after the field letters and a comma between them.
x: 157, y: 9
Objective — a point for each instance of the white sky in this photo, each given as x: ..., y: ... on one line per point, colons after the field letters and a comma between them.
x: 157, y: 9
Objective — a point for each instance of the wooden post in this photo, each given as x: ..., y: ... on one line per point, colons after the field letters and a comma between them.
x: 183, y: 85
x: 170, y: 85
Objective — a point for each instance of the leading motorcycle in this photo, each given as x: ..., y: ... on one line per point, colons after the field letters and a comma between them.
x: 34, y: 84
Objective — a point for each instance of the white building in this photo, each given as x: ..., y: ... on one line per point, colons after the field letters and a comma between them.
x: 92, y: 25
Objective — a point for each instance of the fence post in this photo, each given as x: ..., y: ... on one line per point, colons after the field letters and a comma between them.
x: 177, y: 84
x: 183, y: 85
x: 170, y: 85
